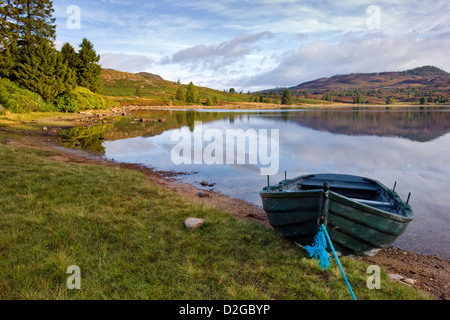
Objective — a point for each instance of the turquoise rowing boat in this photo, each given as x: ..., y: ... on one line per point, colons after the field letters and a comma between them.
x: 362, y: 215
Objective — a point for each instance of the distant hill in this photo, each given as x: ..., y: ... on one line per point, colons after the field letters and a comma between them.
x: 426, y: 77
x: 405, y: 86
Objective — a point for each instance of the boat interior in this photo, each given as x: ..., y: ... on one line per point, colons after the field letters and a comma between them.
x: 362, y: 191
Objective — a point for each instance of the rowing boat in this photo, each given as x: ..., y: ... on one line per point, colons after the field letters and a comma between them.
x: 362, y: 215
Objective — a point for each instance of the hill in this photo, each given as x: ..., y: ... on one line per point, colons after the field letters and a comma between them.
x: 409, y: 87
x: 149, y: 89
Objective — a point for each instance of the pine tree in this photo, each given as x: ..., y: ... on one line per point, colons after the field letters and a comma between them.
x: 179, y: 96
x: 89, y: 72
x: 34, y: 22
x: 287, y: 98
x: 69, y: 55
x: 8, y: 38
x: 44, y: 71
x: 191, y: 94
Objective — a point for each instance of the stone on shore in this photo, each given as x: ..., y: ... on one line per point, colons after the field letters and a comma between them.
x: 396, y: 277
x: 194, y: 223
x: 203, y: 195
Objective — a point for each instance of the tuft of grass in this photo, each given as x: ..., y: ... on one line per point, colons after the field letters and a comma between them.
x: 127, y: 235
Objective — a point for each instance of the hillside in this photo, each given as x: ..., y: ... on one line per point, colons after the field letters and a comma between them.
x: 405, y: 87
x: 149, y: 89
x: 425, y: 77
x: 424, y: 85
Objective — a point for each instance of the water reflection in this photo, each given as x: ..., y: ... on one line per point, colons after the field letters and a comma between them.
x: 406, y: 145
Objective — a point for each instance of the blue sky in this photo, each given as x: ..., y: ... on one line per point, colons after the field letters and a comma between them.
x: 258, y: 44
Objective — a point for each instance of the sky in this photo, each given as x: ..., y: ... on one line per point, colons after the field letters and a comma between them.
x: 253, y: 45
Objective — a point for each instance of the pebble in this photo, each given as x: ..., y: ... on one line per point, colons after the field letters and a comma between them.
x: 194, y: 223
x: 204, y: 183
x: 396, y: 277
x: 203, y: 195
x: 409, y: 281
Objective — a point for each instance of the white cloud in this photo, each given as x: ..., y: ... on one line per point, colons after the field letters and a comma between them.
x: 369, y: 52
x: 124, y: 62
x: 219, y: 55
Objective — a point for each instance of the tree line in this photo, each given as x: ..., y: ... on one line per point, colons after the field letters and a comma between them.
x: 29, y: 59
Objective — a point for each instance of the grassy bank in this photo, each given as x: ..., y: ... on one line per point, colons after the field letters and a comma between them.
x: 128, y: 238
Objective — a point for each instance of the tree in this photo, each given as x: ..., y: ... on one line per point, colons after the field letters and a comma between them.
x: 44, y: 71
x: 232, y: 90
x: 359, y: 99
x: 287, y: 98
x: 89, y: 72
x: 179, y: 96
x: 191, y: 94
x: 8, y: 39
x: 423, y: 100
x: 328, y: 97
x: 34, y: 22
x: 69, y: 55
x: 390, y: 100
x: 23, y: 24
x: 208, y: 102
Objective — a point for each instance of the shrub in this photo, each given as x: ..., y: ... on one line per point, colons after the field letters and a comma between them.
x: 86, y: 99
x: 19, y: 100
x: 67, y: 103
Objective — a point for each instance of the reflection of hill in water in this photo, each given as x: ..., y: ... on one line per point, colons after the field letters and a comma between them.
x: 415, y: 124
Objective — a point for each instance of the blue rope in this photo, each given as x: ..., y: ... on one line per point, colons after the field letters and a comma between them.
x: 318, y: 251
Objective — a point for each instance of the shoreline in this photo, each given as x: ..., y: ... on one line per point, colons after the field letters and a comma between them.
x: 428, y: 273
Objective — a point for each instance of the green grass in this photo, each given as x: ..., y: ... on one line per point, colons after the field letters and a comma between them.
x: 127, y: 235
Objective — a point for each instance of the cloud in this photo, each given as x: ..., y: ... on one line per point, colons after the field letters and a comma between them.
x: 226, y: 43
x: 218, y: 55
x: 368, y: 52
x: 125, y: 62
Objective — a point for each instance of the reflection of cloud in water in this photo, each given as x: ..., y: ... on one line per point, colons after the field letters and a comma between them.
x: 246, y: 167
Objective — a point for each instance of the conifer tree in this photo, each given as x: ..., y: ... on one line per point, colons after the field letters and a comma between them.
x: 69, y: 55
x: 88, y: 71
x: 191, y: 94
x: 8, y: 38
x: 34, y: 22
x: 179, y: 96
x: 287, y: 98
x: 44, y: 71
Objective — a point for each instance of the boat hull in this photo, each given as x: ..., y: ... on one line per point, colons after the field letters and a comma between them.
x: 354, y: 228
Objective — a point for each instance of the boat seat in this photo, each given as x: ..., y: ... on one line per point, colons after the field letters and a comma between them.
x: 338, y: 185
x: 373, y: 203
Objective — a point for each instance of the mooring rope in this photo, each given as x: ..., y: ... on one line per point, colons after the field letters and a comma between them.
x: 318, y: 252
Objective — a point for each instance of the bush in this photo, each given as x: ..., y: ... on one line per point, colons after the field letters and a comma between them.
x: 80, y: 99
x: 86, y: 99
x: 19, y: 100
x: 67, y: 103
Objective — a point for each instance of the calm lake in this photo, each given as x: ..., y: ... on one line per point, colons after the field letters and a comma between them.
x: 407, y: 145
